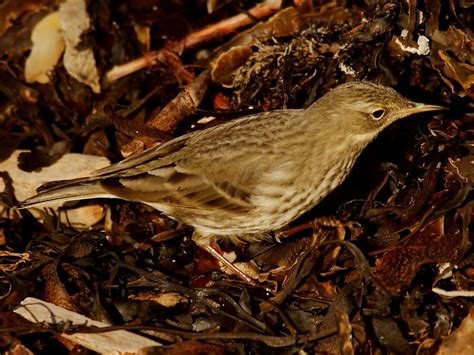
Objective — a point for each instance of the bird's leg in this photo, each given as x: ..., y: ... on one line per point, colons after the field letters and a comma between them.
x: 204, y: 243
x: 211, y: 250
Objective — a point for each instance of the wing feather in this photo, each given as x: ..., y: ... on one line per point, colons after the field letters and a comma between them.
x: 136, y: 164
x: 203, y: 171
x: 207, y: 170
x: 179, y: 189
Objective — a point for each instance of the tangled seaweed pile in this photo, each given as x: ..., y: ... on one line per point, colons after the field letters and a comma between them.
x: 384, y: 263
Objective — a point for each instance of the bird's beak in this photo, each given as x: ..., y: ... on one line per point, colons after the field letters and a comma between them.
x: 416, y: 107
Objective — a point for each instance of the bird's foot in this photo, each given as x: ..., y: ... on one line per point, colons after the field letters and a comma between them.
x: 218, y: 256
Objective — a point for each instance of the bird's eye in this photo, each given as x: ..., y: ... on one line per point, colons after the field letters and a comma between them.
x: 378, y: 114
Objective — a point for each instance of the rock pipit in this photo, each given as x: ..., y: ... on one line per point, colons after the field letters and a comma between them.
x: 253, y: 175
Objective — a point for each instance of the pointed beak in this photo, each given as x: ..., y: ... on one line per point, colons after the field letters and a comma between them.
x: 416, y: 107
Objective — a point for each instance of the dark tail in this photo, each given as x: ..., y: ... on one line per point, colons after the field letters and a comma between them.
x: 67, y: 190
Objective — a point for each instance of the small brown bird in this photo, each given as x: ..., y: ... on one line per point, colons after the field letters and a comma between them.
x: 252, y: 175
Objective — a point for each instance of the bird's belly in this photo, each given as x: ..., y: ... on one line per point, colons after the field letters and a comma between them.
x: 272, y: 210
x: 279, y: 210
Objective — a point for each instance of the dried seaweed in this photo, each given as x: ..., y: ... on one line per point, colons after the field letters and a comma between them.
x: 383, y: 264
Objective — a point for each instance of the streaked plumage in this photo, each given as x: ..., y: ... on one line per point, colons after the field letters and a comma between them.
x: 252, y: 175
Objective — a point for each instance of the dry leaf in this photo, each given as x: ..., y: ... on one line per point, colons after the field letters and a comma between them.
x: 79, y: 63
x: 48, y: 46
x: 167, y: 299
x: 69, y: 166
x: 460, y: 341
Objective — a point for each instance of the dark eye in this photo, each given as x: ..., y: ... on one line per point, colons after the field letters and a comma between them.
x: 378, y: 114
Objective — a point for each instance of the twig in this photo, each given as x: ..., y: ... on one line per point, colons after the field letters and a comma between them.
x: 172, y: 114
x: 195, y: 39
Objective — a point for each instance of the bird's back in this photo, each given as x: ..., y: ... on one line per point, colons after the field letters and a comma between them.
x: 218, y: 180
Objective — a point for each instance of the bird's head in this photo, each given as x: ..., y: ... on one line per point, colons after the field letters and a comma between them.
x: 363, y: 109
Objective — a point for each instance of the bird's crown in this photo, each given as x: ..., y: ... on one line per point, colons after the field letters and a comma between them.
x: 365, y: 107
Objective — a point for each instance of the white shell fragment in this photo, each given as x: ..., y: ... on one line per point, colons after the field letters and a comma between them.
x: 423, y: 46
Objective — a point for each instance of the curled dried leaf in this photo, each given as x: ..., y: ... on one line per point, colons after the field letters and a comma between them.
x: 455, y: 73
x: 434, y: 243
x: 48, y: 46
x: 80, y: 63
x: 460, y: 341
